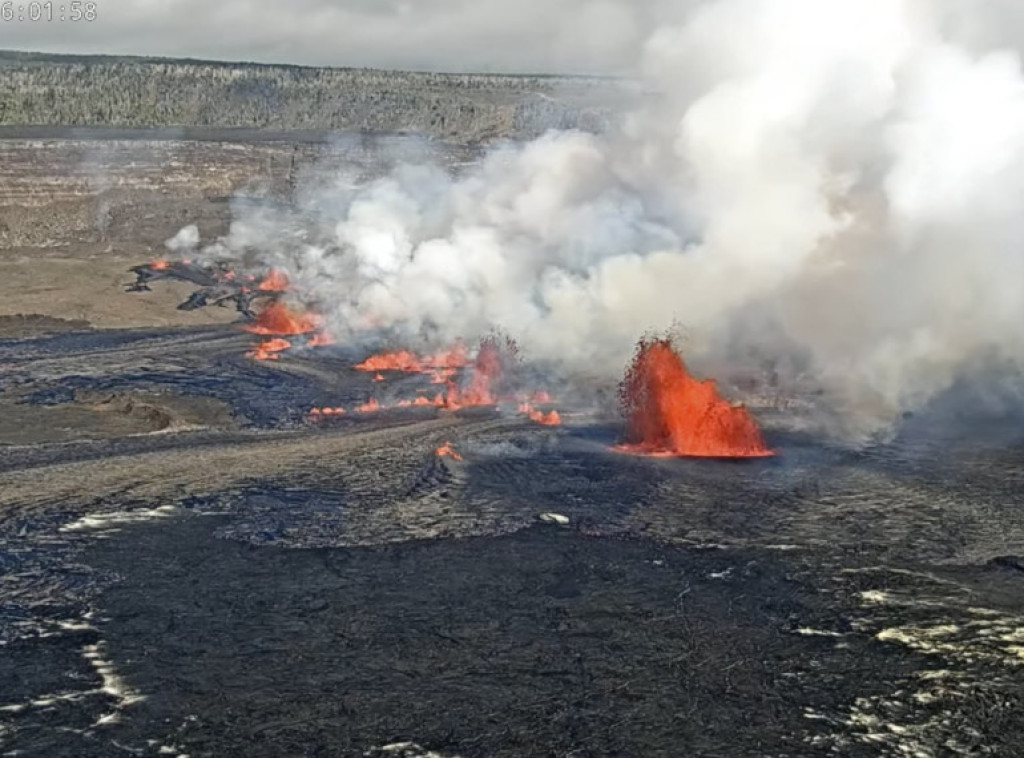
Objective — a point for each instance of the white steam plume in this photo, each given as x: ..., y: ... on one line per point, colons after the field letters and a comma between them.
x: 830, y: 182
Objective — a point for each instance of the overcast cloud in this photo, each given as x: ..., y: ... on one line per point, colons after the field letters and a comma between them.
x: 571, y: 36
x: 523, y: 36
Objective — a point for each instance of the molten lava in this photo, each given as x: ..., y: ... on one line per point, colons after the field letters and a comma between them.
x: 440, y: 365
x: 399, y: 360
x: 277, y: 318
x: 159, y: 264
x: 437, y: 401
x: 447, y: 449
x: 269, y: 349
x: 452, y: 358
x: 481, y: 385
x: 369, y: 406
x: 487, y: 371
x: 441, y: 375
x: 668, y: 412
x: 551, y: 418
x: 274, y: 281
x: 320, y: 412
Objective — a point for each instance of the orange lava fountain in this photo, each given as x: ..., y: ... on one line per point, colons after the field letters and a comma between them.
x: 275, y: 281
x: 277, y: 318
x: 487, y: 370
x: 670, y: 413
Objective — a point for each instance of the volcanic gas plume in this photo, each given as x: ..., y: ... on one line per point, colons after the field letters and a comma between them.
x: 668, y: 412
x: 826, y: 185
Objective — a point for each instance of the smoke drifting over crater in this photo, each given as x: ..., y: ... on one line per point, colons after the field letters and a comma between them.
x: 830, y: 186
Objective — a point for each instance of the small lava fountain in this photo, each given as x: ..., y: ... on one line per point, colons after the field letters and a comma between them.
x: 670, y: 413
x: 277, y: 319
x: 275, y: 281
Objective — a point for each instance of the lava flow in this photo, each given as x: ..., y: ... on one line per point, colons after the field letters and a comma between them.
x: 268, y: 349
x: 398, y: 360
x: 277, y: 318
x: 441, y: 364
x: 670, y: 413
x: 483, y: 384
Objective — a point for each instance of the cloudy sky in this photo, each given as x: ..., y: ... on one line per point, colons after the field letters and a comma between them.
x: 529, y: 36
x: 572, y: 36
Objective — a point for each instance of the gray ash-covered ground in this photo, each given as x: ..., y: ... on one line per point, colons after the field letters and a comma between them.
x: 190, y: 565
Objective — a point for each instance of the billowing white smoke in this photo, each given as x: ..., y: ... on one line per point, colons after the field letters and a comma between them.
x: 830, y: 182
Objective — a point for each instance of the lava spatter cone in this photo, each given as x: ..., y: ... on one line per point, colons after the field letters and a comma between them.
x: 670, y: 413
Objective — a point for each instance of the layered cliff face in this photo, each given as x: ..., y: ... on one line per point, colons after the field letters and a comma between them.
x: 105, y: 91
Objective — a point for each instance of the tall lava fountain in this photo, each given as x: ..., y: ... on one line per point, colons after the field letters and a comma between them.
x: 669, y: 412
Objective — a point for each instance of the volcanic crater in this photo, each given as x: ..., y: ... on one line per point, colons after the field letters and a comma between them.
x: 225, y: 532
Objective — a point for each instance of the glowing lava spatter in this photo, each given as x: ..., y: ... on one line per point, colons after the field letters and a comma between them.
x: 398, y: 360
x: 369, y: 406
x: 275, y: 281
x: 278, y: 318
x: 441, y: 364
x: 269, y: 349
x: 452, y: 358
x: 481, y: 386
x: 486, y: 372
x: 441, y: 375
x: 447, y: 449
x: 551, y: 418
x: 668, y: 412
